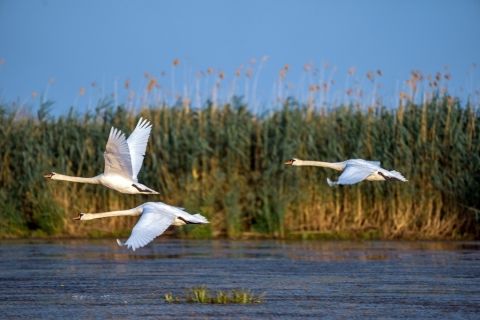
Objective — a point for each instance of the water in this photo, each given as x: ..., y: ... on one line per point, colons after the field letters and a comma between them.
x: 346, y: 280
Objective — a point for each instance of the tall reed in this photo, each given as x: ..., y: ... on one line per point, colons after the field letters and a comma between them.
x: 227, y: 163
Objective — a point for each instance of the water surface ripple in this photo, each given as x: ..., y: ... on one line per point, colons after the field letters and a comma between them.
x: 315, y: 279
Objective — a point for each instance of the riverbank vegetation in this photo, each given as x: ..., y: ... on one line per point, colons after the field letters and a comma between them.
x: 226, y: 162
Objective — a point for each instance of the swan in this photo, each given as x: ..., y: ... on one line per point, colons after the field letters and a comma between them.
x: 354, y: 170
x: 155, y: 218
x: 123, y: 160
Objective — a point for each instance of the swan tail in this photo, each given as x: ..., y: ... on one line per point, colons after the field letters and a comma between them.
x: 397, y: 175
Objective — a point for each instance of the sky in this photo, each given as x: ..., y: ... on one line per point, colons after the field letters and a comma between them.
x: 76, y: 52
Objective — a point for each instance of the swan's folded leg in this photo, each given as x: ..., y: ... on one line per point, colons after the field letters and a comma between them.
x: 120, y: 243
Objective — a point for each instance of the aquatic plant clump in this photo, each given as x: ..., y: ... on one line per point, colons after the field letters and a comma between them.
x: 203, y: 295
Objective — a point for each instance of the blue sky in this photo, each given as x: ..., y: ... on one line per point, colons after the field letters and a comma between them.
x: 75, y: 52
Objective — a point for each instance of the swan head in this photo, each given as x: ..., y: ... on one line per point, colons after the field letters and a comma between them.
x: 50, y: 175
x: 291, y: 162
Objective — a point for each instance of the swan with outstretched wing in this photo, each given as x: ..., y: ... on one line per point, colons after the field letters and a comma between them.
x: 123, y: 161
x: 155, y: 218
x: 354, y: 170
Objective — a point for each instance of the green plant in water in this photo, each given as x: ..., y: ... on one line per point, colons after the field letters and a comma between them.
x: 244, y: 297
x: 198, y: 295
x: 202, y: 295
x: 170, y: 298
x: 221, y: 298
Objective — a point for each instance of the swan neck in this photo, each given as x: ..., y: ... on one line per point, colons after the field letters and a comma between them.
x: 93, y: 180
x: 332, y: 165
x: 119, y: 213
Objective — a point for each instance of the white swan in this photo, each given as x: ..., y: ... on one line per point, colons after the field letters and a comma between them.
x: 354, y: 170
x: 155, y: 218
x: 123, y: 160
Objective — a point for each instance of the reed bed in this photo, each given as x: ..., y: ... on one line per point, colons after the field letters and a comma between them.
x: 226, y: 162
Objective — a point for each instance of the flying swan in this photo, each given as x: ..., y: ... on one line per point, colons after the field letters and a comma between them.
x: 354, y: 170
x: 155, y: 218
x: 123, y: 160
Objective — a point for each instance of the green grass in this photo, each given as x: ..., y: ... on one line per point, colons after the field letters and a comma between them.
x: 203, y: 295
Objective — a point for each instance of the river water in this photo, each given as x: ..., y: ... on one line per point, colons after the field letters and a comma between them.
x: 96, y: 279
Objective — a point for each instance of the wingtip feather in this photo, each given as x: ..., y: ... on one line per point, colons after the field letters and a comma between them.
x: 143, y: 123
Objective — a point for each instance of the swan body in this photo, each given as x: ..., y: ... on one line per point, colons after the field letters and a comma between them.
x: 123, y: 161
x: 155, y: 218
x: 354, y: 170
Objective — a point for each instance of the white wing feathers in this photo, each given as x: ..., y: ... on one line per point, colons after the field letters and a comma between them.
x: 354, y: 174
x: 375, y: 163
x: 137, y: 144
x: 361, y: 162
x: 123, y: 156
x: 117, y: 155
x: 150, y: 225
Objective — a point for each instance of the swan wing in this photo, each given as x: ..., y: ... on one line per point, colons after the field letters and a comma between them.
x: 375, y: 163
x: 117, y: 155
x: 137, y: 144
x: 151, y: 224
x: 354, y: 174
x: 178, y: 212
x: 361, y: 162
